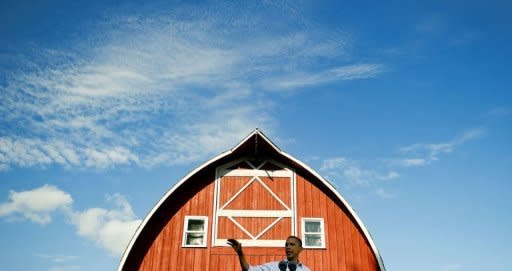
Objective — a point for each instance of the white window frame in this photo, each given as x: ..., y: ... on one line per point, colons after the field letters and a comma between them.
x: 186, y: 231
x: 322, y: 231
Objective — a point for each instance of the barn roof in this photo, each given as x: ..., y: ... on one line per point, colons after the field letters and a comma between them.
x: 256, y: 144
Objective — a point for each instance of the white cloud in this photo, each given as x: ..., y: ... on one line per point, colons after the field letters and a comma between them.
x: 333, y: 163
x: 58, y: 258
x: 499, y: 111
x: 26, y: 152
x: 65, y: 268
x: 140, y: 89
x: 304, y: 79
x: 351, y: 174
x: 408, y: 162
x: 109, y: 228
x: 345, y: 170
x: 60, y: 262
x: 105, y: 158
x: 425, y: 154
x: 389, y: 176
x: 384, y: 194
x: 36, y: 205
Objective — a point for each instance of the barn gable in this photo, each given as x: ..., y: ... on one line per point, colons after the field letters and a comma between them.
x: 258, y: 194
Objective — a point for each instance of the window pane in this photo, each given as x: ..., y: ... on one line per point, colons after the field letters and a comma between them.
x: 195, y: 225
x: 313, y: 240
x: 195, y: 239
x: 312, y: 226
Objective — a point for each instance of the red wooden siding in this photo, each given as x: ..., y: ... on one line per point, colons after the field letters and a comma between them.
x: 255, y: 196
x: 346, y: 248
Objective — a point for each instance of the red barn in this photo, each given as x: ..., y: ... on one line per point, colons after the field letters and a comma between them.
x: 259, y: 195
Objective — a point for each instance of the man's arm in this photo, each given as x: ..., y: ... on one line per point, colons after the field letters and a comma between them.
x: 241, y: 257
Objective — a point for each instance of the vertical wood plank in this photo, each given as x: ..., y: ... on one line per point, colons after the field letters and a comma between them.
x: 316, y: 212
x: 347, y: 241
x: 174, y: 243
x: 340, y: 241
x: 355, y: 248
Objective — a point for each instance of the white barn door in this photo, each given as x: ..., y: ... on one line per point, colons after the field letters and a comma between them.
x: 254, y: 203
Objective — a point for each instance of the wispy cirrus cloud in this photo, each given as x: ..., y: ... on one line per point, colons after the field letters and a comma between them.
x: 349, y: 171
x: 60, y: 262
x: 351, y: 174
x: 57, y: 258
x: 26, y: 152
x: 421, y: 154
x: 65, y: 268
x: 305, y: 79
x: 383, y: 193
x: 499, y: 111
x: 163, y: 88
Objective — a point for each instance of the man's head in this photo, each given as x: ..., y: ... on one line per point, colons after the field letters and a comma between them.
x: 293, y: 247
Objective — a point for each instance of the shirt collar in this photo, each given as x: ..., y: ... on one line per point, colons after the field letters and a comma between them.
x: 298, y: 263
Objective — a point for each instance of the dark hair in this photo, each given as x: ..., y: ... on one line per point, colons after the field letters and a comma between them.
x: 296, y: 238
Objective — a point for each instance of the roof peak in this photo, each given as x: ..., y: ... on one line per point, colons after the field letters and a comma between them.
x: 256, y: 134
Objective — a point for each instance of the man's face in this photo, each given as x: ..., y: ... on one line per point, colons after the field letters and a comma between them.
x: 292, y: 248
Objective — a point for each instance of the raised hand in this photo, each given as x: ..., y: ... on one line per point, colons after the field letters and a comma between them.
x: 238, y: 249
x: 235, y: 245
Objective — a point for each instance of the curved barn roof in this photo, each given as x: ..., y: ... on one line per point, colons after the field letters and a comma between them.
x: 255, y: 144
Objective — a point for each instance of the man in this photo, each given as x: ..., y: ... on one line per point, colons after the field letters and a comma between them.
x: 293, y: 247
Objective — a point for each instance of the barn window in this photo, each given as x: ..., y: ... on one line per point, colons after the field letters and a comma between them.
x: 313, y: 234
x: 195, y: 231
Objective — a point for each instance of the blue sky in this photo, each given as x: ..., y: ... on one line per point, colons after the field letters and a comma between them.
x: 406, y: 107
